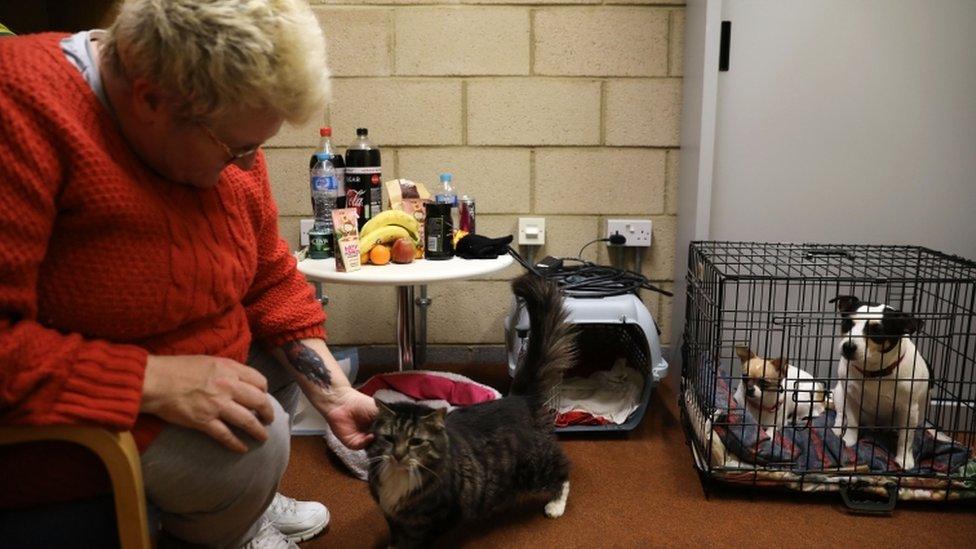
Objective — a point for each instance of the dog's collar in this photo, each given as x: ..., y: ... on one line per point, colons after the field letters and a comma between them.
x: 870, y: 374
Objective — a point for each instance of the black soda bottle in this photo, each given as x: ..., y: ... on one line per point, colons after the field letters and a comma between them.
x: 363, y: 180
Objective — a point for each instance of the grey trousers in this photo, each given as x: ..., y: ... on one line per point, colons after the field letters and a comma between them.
x: 203, y: 493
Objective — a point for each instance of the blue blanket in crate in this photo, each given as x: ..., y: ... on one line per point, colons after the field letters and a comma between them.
x: 813, y: 447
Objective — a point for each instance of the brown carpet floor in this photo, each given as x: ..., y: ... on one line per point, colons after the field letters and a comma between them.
x: 636, y: 491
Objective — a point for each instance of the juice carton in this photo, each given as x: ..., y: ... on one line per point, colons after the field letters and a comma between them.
x: 346, y: 233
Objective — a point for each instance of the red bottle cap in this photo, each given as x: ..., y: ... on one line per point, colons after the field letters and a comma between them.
x: 325, y: 132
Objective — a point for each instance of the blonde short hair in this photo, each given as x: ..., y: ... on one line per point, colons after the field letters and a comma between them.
x: 217, y: 55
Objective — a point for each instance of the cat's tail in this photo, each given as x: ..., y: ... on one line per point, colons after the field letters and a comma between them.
x: 551, y: 348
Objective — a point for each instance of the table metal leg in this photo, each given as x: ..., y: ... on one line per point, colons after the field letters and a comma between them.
x: 406, y: 337
x: 412, y: 316
x: 319, y: 294
x: 423, y: 302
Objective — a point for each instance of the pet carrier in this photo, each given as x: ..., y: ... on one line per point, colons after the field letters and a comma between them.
x: 888, y: 333
x: 619, y: 354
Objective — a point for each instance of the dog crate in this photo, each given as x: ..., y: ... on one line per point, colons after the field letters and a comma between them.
x: 776, y: 300
x: 615, y: 331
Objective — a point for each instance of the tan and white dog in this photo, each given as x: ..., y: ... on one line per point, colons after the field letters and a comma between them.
x: 777, y: 393
x: 883, y: 381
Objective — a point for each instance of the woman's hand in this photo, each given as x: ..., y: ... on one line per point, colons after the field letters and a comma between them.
x: 209, y: 394
x: 350, y: 414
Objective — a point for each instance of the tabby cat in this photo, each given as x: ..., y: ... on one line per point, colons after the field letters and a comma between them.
x: 429, y: 470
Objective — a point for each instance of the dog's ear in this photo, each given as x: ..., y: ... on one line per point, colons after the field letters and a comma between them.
x: 781, y: 364
x: 846, y: 303
x: 744, y: 353
x: 901, y: 323
x: 915, y: 325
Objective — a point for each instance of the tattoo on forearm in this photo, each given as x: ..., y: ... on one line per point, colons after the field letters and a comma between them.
x: 308, y: 363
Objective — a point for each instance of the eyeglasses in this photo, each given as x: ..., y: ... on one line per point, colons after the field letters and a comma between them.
x: 232, y: 155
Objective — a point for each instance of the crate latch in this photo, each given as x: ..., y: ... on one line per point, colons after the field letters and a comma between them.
x: 854, y: 498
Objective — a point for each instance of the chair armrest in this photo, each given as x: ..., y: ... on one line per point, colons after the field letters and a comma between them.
x: 121, y: 458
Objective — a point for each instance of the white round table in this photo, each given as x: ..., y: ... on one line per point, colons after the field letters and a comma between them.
x: 405, y: 277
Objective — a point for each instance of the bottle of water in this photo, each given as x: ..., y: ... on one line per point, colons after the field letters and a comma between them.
x: 325, y: 188
x: 325, y: 146
x: 448, y: 195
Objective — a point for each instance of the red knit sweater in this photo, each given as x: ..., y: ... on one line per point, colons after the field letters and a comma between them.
x: 102, y: 262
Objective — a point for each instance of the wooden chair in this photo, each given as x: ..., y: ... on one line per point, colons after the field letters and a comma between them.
x: 121, y: 458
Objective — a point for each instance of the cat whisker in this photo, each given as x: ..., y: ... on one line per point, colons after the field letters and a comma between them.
x: 414, y: 475
x: 431, y: 471
x: 411, y: 471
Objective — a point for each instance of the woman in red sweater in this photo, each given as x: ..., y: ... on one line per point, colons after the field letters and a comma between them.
x: 143, y: 283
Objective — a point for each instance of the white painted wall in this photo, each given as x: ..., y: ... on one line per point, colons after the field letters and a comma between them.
x: 848, y: 121
x: 838, y: 122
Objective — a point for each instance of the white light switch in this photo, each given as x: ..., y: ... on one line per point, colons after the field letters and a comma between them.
x: 532, y: 231
x: 306, y: 225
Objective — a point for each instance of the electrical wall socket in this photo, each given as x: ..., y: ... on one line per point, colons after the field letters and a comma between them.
x: 636, y: 231
x: 305, y: 226
x: 532, y: 231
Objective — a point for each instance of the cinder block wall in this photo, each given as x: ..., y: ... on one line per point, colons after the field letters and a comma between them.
x: 567, y: 109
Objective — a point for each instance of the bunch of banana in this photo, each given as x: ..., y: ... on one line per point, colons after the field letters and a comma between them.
x: 386, y: 227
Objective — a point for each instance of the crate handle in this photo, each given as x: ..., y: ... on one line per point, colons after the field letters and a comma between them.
x: 829, y: 252
x: 859, y: 506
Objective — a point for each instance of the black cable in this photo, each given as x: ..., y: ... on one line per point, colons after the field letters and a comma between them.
x: 592, y: 280
x: 580, y: 254
x: 522, y: 262
x: 615, y: 239
x: 589, y: 280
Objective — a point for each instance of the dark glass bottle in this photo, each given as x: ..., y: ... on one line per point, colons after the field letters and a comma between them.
x: 438, y: 232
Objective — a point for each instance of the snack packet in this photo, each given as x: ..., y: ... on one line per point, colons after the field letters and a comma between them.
x: 404, y: 189
x: 415, y: 207
x: 346, y: 234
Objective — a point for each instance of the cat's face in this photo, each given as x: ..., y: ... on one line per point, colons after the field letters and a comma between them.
x: 408, y: 436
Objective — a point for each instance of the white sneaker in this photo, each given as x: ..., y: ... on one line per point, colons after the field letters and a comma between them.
x: 269, y: 537
x: 297, y: 520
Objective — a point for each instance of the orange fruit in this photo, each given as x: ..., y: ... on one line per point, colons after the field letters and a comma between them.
x: 379, y: 255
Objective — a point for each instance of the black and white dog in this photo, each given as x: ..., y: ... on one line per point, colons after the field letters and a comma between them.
x: 882, y: 379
